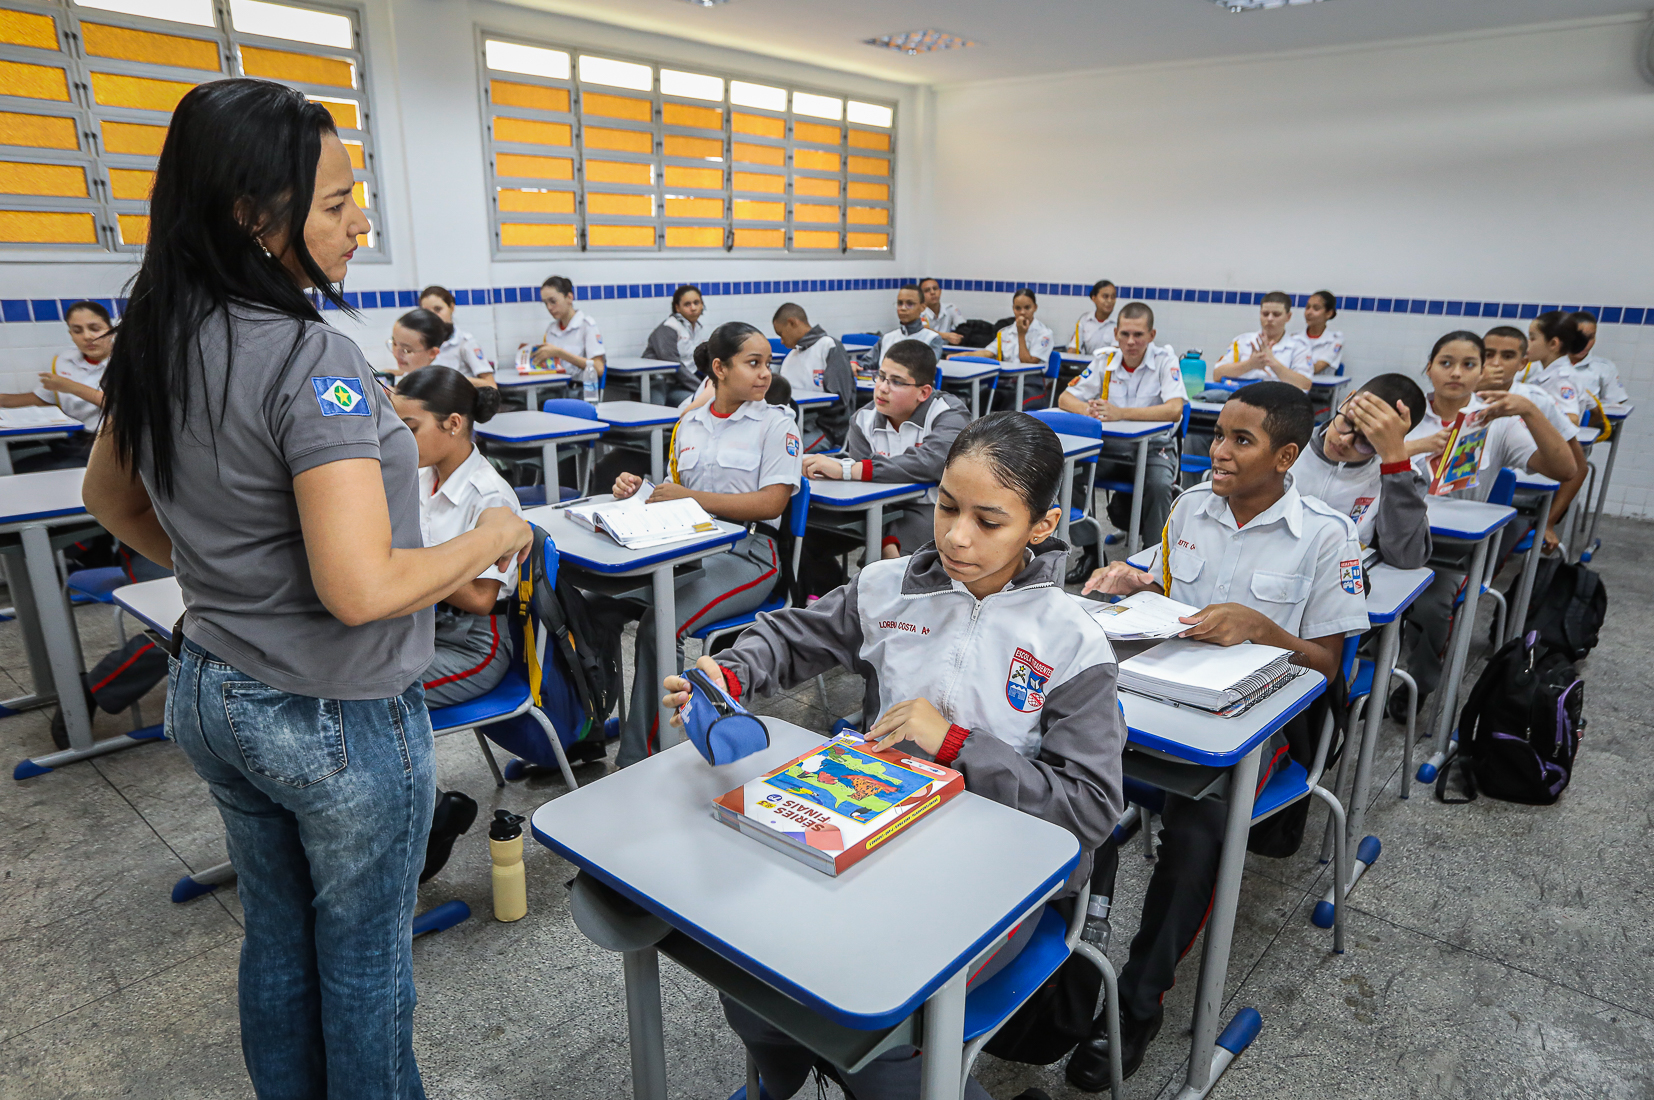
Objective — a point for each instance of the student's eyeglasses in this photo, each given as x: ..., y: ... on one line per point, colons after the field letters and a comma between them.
x: 1357, y: 440
x: 881, y: 378
x: 395, y: 347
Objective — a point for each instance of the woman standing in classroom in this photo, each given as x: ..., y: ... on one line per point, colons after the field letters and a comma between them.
x: 250, y: 449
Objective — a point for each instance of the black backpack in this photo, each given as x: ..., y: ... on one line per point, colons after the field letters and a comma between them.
x: 1567, y: 609
x: 976, y: 334
x: 1520, y: 727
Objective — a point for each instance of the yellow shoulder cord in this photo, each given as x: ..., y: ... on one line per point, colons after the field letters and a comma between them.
x: 57, y: 398
x: 1107, y: 375
x: 1077, y: 325
x: 672, y: 449
x: 525, y: 599
x: 1602, y: 415
x: 1166, y: 556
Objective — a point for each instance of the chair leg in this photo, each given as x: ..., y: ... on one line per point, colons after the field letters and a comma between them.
x: 1148, y: 833
x: 754, y: 1086
x: 556, y: 747
x: 488, y: 755
x: 1498, y: 599
x: 1352, y: 722
x: 1111, y: 1014
x: 821, y: 686
x: 1412, y: 719
x: 1340, y: 871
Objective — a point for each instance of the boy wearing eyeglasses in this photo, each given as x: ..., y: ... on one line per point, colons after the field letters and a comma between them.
x: 1357, y: 463
x: 904, y: 435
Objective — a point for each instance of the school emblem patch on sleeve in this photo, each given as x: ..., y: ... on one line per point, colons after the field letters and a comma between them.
x: 1349, y: 575
x: 341, y: 397
x: 1025, y: 685
x: 792, y: 445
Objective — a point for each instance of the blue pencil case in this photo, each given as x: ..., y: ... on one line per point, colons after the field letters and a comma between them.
x: 720, y: 728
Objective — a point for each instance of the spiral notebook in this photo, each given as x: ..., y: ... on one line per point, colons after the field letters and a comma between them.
x: 1221, y: 679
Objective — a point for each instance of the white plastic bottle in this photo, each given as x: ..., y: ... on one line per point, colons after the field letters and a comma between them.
x: 590, y: 384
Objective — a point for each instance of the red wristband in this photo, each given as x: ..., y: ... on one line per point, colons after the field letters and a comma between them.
x: 1394, y: 467
x: 951, y: 744
x: 891, y: 540
x: 731, y: 684
x: 864, y: 470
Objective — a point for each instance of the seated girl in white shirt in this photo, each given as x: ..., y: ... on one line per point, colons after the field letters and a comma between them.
x: 73, y: 383
x: 461, y: 350
x: 456, y: 485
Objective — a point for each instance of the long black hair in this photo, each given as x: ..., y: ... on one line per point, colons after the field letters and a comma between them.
x: 1023, y: 453
x: 445, y: 391
x: 239, y: 159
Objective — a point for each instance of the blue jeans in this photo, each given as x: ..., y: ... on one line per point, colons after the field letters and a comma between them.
x: 326, y: 806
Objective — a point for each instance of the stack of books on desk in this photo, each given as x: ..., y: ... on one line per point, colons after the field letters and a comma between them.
x: 1226, y: 680
x: 638, y: 526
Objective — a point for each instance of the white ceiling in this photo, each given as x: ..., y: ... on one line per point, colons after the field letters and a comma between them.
x: 1027, y: 37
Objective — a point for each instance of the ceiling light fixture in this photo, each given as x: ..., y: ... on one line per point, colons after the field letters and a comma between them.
x: 1259, y: 5
x: 926, y: 41
x: 707, y: 3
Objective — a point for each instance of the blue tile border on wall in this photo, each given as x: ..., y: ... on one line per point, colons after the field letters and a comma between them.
x: 40, y: 310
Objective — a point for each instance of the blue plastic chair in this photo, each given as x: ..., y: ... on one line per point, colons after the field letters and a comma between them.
x: 98, y: 586
x: 1067, y: 423
x: 532, y: 496
x: 777, y: 347
x: 1053, y: 372
x: 793, y: 523
x: 1188, y: 463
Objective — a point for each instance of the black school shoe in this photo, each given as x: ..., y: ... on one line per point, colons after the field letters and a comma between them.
x: 455, y: 813
x: 1088, y: 1065
x: 1033, y: 1094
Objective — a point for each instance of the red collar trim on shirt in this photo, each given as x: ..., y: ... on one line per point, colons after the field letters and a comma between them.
x: 723, y: 416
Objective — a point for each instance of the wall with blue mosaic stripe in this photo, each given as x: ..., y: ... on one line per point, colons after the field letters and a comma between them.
x: 31, y: 310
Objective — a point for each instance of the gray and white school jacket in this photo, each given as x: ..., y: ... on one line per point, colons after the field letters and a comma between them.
x: 1025, y: 677
x: 1388, y: 509
x: 674, y: 340
x: 818, y: 364
x: 916, y: 450
x: 915, y: 331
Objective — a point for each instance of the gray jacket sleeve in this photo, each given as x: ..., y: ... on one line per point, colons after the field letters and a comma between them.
x: 787, y: 647
x: 856, y: 445
x: 663, y: 345
x: 1401, y: 532
x: 1075, y: 781
x: 838, y: 378
x: 925, y: 462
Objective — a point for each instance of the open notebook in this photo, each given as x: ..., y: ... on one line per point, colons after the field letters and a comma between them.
x: 1140, y: 616
x: 37, y: 416
x: 638, y: 526
x: 1223, y: 679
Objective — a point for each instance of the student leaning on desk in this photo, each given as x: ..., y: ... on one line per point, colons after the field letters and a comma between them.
x: 250, y: 449
x: 972, y: 653
x: 73, y: 383
x: 1264, y: 565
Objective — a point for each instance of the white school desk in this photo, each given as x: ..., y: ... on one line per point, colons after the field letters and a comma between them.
x: 641, y: 369
x: 1472, y: 524
x: 1074, y: 448
x: 808, y: 403
x: 37, y: 434
x: 1020, y: 373
x: 516, y: 430
x: 1546, y: 487
x: 640, y: 418
x: 507, y: 378
x: 596, y: 553
x: 1617, y: 416
x: 728, y: 907
x: 868, y: 498
x: 1142, y: 431
x: 1198, y: 755
x: 973, y: 373
x: 31, y: 506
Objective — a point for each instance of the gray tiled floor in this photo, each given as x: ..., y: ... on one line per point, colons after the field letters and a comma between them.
x: 1494, y: 950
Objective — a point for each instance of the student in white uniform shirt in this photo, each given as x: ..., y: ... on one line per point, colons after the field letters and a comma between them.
x: 1266, y: 565
x: 1326, y: 348
x: 676, y: 338
x: 1357, y: 463
x: 571, y: 338
x: 816, y: 363
x: 74, y: 383
x: 940, y: 317
x: 903, y: 435
x: 1597, y: 374
x: 1026, y: 339
x: 996, y: 671
x: 1138, y: 380
x: 417, y: 339
x: 1269, y: 352
x: 1094, y: 331
x: 1551, y: 337
x: 739, y: 457
x: 1519, y: 436
x: 910, y: 325
x: 1505, y: 356
x: 473, y: 646
x: 460, y: 351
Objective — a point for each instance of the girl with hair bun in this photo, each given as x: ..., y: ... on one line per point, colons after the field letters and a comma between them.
x: 460, y: 350
x: 442, y: 407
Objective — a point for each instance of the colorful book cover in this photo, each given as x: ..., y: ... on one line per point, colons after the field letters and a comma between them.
x: 1461, y: 459
x: 832, y: 806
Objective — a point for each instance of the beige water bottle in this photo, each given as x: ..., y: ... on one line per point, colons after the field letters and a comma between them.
x: 505, y: 845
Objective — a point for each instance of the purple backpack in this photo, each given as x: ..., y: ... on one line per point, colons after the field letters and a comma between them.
x: 1520, y: 727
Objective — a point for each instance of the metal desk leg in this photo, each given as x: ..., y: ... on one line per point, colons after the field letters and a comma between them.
x: 657, y: 458
x: 34, y: 645
x: 976, y: 398
x: 942, y: 1068
x: 1518, y: 612
x: 5, y: 458
x: 1134, y: 540
x: 1065, y: 502
x: 1020, y: 377
x: 1602, y: 484
x: 642, y: 970
x: 1458, y: 648
x: 666, y: 654
x: 873, y: 538
x: 548, y: 457
x: 531, y: 396
x: 1220, y: 930
x: 1389, y: 646
x: 643, y: 387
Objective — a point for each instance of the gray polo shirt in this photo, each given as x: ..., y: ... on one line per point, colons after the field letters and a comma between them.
x: 254, y: 421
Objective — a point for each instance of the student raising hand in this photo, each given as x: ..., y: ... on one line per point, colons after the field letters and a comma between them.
x: 1119, y: 578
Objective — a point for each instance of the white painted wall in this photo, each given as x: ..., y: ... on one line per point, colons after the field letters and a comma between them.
x: 1511, y: 167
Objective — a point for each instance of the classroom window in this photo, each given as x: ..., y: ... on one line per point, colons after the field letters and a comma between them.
x: 87, y: 89
x: 594, y: 152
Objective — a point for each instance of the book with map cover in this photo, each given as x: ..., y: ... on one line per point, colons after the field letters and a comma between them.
x: 839, y: 802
